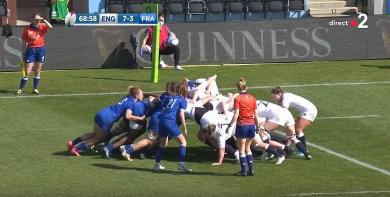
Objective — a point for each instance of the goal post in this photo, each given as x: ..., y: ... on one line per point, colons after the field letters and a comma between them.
x: 153, y: 8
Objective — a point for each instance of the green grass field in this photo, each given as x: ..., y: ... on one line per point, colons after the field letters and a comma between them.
x: 34, y: 131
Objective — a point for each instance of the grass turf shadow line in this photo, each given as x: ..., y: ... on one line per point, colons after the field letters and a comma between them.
x: 170, y: 172
x: 376, y: 66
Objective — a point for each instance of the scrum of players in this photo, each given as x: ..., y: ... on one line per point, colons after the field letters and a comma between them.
x: 232, y: 124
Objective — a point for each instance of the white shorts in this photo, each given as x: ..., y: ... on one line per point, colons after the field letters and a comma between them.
x: 285, y: 119
x: 309, y: 115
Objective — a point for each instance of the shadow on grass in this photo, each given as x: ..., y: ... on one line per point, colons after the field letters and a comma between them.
x: 376, y: 66
x: 170, y: 172
x: 198, y: 154
x: 7, y: 91
x: 113, y: 79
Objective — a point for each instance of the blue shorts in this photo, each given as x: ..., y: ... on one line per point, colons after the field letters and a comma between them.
x: 104, y: 121
x: 153, y: 122
x: 37, y: 54
x: 245, y: 131
x: 168, y: 128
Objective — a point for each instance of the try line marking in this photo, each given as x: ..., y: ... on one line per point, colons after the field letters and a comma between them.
x: 159, y: 91
x: 340, y: 193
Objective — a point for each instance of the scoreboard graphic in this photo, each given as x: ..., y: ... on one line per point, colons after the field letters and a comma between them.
x: 113, y: 19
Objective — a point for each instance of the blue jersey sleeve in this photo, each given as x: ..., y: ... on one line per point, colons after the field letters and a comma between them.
x: 183, y: 103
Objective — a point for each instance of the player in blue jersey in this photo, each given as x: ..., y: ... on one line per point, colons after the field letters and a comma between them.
x: 136, y: 122
x: 152, y: 133
x: 173, y: 104
x: 104, y: 120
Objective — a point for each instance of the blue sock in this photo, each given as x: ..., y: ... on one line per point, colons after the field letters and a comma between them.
x: 76, y: 141
x: 81, y: 147
x: 23, y: 82
x: 129, y: 149
x: 302, y: 148
x: 229, y: 149
x: 243, y: 163
x: 36, y: 82
x: 110, y: 147
x: 182, y: 154
x: 302, y: 139
x: 249, y: 158
x: 159, y: 154
x: 272, y: 150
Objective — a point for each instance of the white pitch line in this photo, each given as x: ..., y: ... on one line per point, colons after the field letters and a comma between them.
x: 316, y: 84
x: 340, y: 193
x: 255, y: 87
x: 348, y: 117
x: 355, y: 161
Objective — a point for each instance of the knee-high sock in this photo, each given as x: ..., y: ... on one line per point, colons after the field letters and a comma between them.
x: 249, y: 158
x: 36, y: 82
x: 23, y: 82
x: 182, y: 154
x: 243, y: 163
x: 160, y: 152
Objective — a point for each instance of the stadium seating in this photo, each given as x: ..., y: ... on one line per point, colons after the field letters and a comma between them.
x: 215, y: 11
x: 135, y: 6
x: 274, y: 9
x: 295, y: 9
x: 255, y: 10
x: 174, y: 11
x: 234, y: 10
x: 196, y: 11
x: 160, y: 5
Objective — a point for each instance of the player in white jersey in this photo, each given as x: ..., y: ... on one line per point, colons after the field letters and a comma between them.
x: 275, y: 117
x: 202, y: 89
x: 216, y: 129
x: 307, y: 111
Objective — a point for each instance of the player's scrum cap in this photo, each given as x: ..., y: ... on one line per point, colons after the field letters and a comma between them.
x: 200, y: 81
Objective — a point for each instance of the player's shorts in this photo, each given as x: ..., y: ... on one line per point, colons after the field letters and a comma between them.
x: 168, y: 128
x: 245, y: 131
x: 36, y: 54
x: 121, y: 127
x: 153, y: 122
x: 283, y: 119
x: 102, y: 119
x: 309, y: 115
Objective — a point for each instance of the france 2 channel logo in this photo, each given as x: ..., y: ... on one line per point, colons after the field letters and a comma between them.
x: 360, y: 22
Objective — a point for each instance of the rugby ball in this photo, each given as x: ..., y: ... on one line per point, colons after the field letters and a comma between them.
x: 172, y: 39
x: 145, y: 49
x: 70, y: 19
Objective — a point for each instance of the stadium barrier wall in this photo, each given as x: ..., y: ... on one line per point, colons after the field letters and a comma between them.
x: 212, y: 43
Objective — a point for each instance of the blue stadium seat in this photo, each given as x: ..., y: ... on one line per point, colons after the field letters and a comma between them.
x: 234, y: 10
x: 255, y: 10
x: 295, y: 9
x: 115, y: 7
x: 160, y: 5
x: 196, y: 11
x: 174, y: 11
x: 274, y: 9
x: 215, y: 11
x: 135, y: 7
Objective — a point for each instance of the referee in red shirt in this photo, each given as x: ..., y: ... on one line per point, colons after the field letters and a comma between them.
x: 246, y: 118
x: 35, y: 51
x: 165, y: 47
